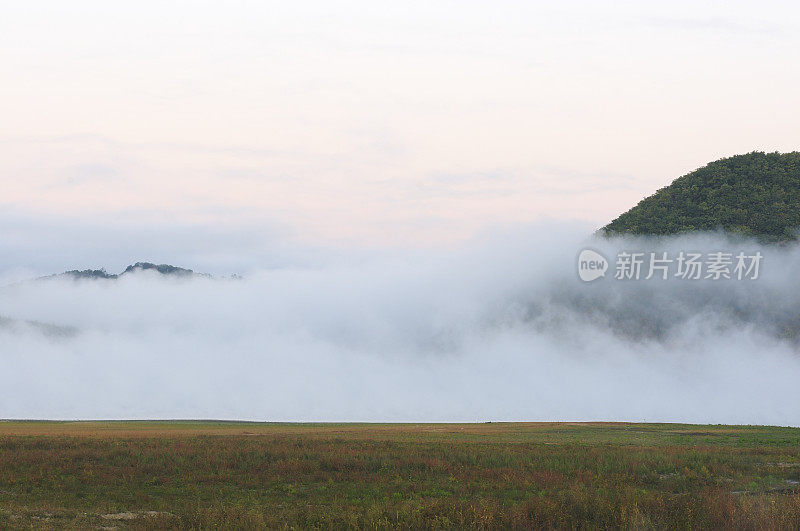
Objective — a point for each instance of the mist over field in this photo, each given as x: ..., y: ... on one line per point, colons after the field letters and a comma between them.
x: 498, y: 329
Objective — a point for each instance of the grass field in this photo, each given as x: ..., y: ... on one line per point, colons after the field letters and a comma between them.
x: 241, y: 475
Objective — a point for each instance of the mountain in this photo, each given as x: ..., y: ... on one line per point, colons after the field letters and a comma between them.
x: 86, y: 273
x: 56, y: 331
x: 164, y: 269
x: 757, y: 194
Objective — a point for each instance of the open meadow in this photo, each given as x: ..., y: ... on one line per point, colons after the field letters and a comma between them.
x: 242, y: 475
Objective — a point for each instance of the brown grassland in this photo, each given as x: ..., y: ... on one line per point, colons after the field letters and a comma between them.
x: 494, y: 475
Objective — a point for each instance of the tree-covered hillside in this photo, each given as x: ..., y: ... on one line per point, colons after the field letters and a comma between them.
x: 755, y: 194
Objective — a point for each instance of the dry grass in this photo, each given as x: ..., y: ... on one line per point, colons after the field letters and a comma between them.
x: 244, y: 475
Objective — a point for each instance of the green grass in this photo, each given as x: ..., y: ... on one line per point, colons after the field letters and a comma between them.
x: 242, y: 475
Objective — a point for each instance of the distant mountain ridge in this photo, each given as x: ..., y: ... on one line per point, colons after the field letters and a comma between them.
x: 54, y: 331
x: 756, y: 194
x: 163, y: 269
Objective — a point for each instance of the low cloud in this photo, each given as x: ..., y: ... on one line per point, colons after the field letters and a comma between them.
x: 501, y: 328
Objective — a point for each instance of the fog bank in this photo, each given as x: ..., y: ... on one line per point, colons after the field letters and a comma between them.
x: 499, y: 329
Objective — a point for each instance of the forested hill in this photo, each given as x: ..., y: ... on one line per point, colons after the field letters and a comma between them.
x: 755, y: 194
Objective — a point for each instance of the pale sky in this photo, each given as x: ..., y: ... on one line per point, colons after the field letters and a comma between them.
x: 369, y: 123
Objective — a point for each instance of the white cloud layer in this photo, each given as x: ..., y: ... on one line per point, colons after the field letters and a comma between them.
x: 499, y: 329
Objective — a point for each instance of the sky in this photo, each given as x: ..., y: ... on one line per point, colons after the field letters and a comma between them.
x: 150, y: 130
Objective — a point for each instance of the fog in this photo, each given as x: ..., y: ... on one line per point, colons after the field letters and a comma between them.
x: 498, y: 329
